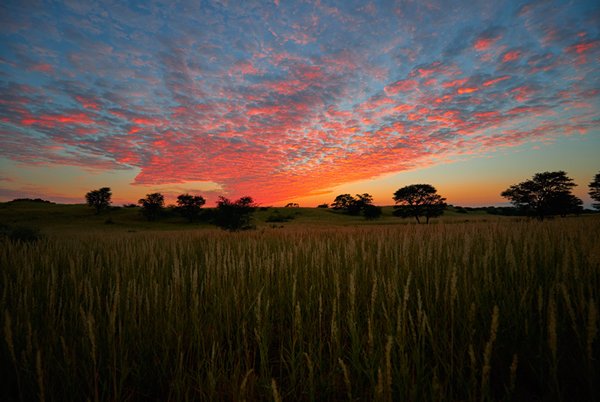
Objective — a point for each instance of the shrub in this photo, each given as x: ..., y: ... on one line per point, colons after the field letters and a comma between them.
x: 234, y: 216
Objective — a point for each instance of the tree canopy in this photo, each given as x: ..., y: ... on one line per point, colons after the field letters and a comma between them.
x: 189, y: 206
x: 99, y: 199
x: 342, y: 201
x: 234, y: 215
x: 152, y: 205
x: 595, y: 190
x: 419, y: 200
x: 545, y: 194
x: 355, y: 205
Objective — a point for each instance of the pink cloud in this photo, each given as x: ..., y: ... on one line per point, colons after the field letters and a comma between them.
x: 511, y: 56
x: 51, y: 120
x: 42, y: 68
x: 495, y: 80
x: 455, y: 83
x: 400, y: 86
x: 482, y: 44
x: 583, y: 46
x: 467, y: 90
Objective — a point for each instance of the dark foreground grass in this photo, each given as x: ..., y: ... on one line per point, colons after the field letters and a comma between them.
x: 486, y: 311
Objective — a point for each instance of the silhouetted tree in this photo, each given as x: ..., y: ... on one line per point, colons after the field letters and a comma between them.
x: 189, y: 206
x: 236, y: 215
x: 547, y: 193
x: 292, y: 205
x: 352, y: 205
x: 325, y: 205
x: 419, y: 200
x: 152, y: 206
x: 99, y: 199
x: 359, y: 203
x: 563, y: 204
x: 595, y: 190
x: 342, y: 201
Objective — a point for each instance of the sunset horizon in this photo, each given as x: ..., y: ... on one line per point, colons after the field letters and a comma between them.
x: 296, y: 101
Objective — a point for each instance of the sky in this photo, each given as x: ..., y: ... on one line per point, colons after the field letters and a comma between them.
x: 296, y: 101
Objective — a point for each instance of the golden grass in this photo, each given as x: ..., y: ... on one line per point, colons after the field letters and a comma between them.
x: 460, y: 312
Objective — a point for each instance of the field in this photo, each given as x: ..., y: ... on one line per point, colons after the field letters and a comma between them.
x: 492, y: 309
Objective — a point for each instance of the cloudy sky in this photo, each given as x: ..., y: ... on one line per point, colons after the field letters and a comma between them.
x: 296, y: 100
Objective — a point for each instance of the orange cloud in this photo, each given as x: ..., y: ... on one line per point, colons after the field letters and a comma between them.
x: 49, y: 120
x: 147, y: 121
x: 495, y: 80
x: 455, y: 83
x: 467, y: 90
x: 511, y: 56
x: 400, y: 86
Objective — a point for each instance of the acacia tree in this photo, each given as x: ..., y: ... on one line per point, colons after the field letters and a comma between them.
x: 99, y: 199
x: 342, y: 201
x: 189, y: 206
x: 360, y: 203
x: 234, y: 216
x: 595, y: 190
x: 152, y: 206
x: 419, y: 200
x: 547, y: 193
x: 355, y: 205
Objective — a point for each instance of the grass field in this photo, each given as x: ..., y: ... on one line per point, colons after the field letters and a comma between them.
x: 493, y: 309
x: 57, y: 219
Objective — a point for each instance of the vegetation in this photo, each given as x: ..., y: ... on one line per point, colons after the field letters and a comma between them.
x: 595, y: 190
x: 342, y: 202
x: 546, y: 194
x: 234, y: 216
x: 489, y: 311
x: 362, y: 203
x: 32, y: 200
x: 99, y: 199
x: 189, y: 206
x: 152, y: 206
x: 419, y: 200
x: 372, y: 211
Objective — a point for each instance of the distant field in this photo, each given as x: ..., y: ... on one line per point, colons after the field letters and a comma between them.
x: 62, y: 219
x: 328, y: 308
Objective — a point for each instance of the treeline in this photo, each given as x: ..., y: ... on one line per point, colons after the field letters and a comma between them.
x: 228, y: 214
x: 545, y: 194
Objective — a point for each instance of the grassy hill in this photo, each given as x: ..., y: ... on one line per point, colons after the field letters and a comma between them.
x: 58, y: 219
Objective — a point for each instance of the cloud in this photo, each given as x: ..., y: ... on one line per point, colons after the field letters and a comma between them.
x: 486, y: 39
x: 283, y: 100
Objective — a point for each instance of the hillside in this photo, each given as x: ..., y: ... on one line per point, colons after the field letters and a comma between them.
x: 53, y: 218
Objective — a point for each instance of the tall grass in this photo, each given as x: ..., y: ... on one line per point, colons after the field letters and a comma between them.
x: 464, y: 312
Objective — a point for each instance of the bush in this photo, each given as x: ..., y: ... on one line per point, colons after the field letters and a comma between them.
x: 234, y: 216
x: 153, y: 206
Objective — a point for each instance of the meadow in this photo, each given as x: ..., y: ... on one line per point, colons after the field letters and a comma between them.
x: 487, y: 310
